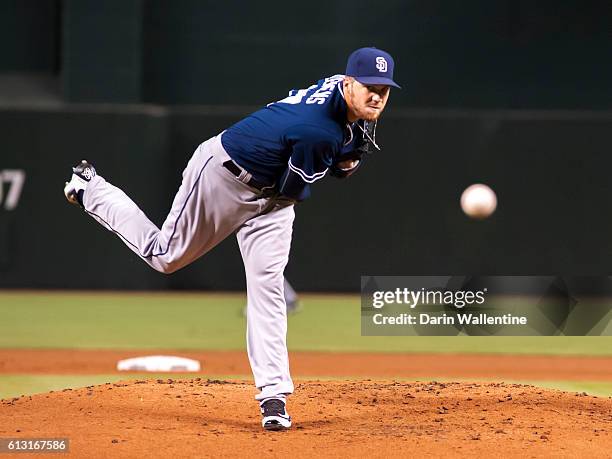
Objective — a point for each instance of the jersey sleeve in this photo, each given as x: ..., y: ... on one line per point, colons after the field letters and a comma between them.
x: 312, y: 153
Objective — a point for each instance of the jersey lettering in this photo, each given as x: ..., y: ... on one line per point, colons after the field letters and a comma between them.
x: 318, y: 97
x: 295, y: 97
x: 326, y: 89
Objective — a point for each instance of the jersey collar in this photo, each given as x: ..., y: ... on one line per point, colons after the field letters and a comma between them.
x: 339, y: 105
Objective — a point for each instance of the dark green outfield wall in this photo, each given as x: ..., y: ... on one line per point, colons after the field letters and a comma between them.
x: 29, y: 35
x: 481, y: 53
x: 477, y: 54
x: 398, y: 215
x: 49, y: 244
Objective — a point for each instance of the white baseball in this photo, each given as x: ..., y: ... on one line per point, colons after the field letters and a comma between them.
x: 478, y: 201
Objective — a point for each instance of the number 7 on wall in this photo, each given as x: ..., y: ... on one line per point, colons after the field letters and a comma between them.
x: 16, y: 179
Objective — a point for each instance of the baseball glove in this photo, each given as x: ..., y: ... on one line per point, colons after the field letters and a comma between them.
x: 366, y: 145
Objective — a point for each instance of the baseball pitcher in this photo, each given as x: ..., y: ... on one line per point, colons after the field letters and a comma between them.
x: 246, y: 181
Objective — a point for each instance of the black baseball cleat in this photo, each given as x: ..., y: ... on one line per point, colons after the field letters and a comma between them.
x: 274, y: 415
x: 82, y: 173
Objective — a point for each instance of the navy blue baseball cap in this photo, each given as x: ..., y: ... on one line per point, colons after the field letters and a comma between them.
x: 371, y: 66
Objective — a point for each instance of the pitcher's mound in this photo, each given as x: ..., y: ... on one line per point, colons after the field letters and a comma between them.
x: 196, y: 418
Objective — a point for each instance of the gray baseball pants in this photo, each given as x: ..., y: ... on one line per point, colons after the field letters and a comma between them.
x: 211, y: 204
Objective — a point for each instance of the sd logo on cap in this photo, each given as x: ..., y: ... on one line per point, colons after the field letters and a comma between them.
x: 371, y: 66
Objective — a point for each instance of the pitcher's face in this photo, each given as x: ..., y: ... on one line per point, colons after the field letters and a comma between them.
x: 365, y: 102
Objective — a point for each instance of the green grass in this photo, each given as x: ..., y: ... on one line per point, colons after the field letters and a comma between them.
x: 190, y: 321
x: 121, y: 320
x: 17, y: 385
x: 93, y: 320
x: 599, y: 388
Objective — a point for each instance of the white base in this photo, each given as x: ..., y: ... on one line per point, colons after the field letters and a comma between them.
x: 159, y: 363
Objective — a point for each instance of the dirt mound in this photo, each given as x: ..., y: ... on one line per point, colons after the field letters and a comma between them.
x: 196, y: 418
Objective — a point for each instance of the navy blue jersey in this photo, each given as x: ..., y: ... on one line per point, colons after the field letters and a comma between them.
x: 293, y: 142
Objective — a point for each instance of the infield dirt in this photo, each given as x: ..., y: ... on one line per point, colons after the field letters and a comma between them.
x: 336, y: 364
x: 202, y: 418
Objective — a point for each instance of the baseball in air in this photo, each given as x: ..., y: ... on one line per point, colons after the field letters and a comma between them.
x: 478, y: 201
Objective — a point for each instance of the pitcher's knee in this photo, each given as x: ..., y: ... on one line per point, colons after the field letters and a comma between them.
x: 267, y: 275
x: 267, y: 284
x: 166, y: 266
